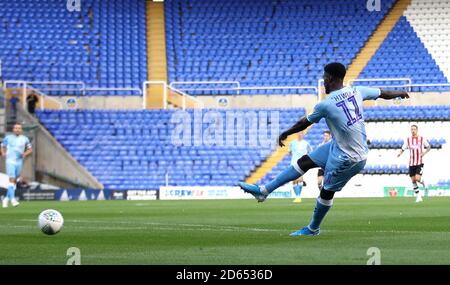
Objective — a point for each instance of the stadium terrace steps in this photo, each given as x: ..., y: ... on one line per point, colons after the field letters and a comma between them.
x: 156, y: 53
x: 278, y: 155
x: 178, y: 100
x: 157, y: 61
x: 156, y: 45
x: 377, y: 38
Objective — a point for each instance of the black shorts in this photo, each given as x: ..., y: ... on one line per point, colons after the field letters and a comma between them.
x: 416, y: 169
x: 320, y: 172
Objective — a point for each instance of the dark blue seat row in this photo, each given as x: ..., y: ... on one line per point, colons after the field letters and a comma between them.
x: 103, y: 45
x: 407, y: 113
x: 403, y: 55
x: 396, y: 144
x: 136, y: 149
x: 262, y: 42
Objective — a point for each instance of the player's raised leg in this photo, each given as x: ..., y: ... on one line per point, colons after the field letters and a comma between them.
x: 261, y: 192
x: 291, y: 173
x: 419, y: 179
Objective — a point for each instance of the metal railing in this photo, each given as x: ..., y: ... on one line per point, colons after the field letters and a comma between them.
x: 236, y: 86
x: 44, y: 97
x: 25, y: 86
x: 236, y: 83
x: 47, y: 86
x: 407, y: 85
x: 198, y: 102
x: 93, y: 91
x: 46, y: 89
x: 77, y: 87
x: 302, y: 87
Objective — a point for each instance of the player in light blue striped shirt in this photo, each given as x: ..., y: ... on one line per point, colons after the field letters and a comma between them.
x: 341, y: 158
x: 15, y: 147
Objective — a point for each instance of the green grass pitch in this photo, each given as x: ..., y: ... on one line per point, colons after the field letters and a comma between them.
x: 230, y: 232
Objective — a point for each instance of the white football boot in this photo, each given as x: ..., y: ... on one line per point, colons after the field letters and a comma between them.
x: 14, y: 203
x: 5, y: 202
x: 419, y: 198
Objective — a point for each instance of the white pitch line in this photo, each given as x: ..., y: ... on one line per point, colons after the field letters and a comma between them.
x: 170, y: 226
x: 206, y: 227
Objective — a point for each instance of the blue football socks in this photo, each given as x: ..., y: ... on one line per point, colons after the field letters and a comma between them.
x: 322, y: 208
x: 298, y: 189
x: 11, y: 191
x: 289, y: 174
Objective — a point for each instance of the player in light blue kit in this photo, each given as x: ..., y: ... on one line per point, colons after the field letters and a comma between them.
x: 341, y: 158
x: 298, y: 148
x: 15, y: 148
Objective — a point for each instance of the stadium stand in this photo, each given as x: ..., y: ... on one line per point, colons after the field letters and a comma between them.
x: 262, y: 42
x: 407, y: 113
x: 431, y: 21
x: 103, y: 45
x: 403, y: 55
x: 135, y: 150
x: 255, y: 42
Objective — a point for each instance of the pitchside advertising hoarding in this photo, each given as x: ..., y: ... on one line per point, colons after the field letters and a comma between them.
x: 90, y: 194
x: 214, y: 192
x: 219, y: 192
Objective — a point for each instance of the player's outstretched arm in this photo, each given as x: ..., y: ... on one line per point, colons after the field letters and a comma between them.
x: 387, y: 94
x: 302, y: 124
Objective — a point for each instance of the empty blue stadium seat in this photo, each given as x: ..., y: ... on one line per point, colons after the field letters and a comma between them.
x: 263, y: 42
x: 135, y: 149
x: 403, y: 55
x: 43, y: 41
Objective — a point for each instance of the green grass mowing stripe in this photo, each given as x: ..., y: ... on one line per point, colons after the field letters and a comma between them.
x: 229, y: 232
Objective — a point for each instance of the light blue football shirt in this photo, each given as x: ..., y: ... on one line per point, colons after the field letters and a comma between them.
x: 299, y: 149
x: 15, y: 147
x: 343, y: 113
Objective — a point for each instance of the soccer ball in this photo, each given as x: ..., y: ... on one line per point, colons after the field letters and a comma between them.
x: 50, y: 221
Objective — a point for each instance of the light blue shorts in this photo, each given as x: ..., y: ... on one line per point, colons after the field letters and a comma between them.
x: 337, y: 165
x: 13, y: 169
